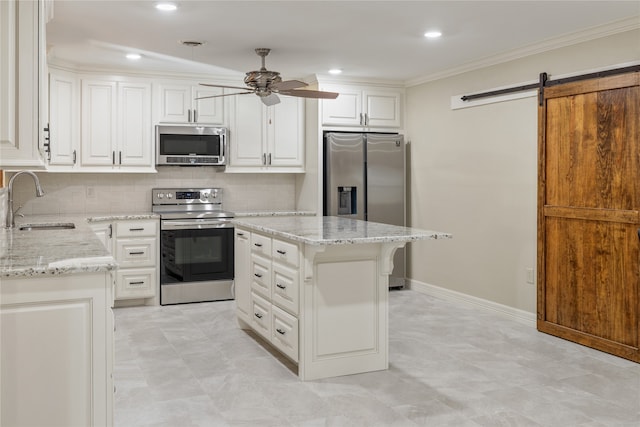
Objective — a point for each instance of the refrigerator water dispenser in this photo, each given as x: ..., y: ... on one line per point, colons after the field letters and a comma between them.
x: 347, y: 201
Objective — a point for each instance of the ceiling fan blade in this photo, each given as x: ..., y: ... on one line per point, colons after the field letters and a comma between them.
x: 270, y: 99
x: 288, y: 85
x: 310, y: 93
x: 223, y: 86
x: 224, y: 94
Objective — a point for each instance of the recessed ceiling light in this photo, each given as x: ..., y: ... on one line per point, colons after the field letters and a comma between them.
x: 166, y: 7
x: 335, y: 71
x: 133, y: 56
x: 432, y: 34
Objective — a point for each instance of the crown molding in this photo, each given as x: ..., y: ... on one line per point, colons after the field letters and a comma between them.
x: 616, y: 27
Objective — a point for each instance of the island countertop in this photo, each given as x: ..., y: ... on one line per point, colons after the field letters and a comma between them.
x: 332, y: 230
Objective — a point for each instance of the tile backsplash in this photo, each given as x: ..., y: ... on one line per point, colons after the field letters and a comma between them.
x: 80, y: 193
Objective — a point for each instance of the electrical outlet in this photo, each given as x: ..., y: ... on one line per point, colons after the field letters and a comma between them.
x: 91, y: 193
x: 531, y: 277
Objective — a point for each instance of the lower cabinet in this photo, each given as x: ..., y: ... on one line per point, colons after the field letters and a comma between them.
x: 134, y: 244
x: 266, y: 270
x: 57, y: 350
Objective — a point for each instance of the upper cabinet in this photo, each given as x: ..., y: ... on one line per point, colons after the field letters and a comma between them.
x: 64, y: 120
x: 178, y: 103
x: 99, y: 124
x: 362, y: 106
x: 22, y: 79
x: 116, y: 124
x: 268, y: 139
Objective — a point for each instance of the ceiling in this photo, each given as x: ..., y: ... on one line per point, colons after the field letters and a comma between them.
x: 366, y: 39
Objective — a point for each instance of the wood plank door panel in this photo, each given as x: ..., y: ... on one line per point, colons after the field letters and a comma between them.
x: 588, y: 221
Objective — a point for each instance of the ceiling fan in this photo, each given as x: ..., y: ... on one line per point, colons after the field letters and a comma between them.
x: 268, y: 84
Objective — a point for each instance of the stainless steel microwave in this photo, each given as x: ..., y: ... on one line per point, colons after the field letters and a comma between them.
x: 190, y: 145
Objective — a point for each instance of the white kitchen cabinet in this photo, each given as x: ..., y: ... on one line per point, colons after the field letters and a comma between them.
x: 242, y: 260
x: 360, y: 106
x: 134, y: 245
x: 267, y: 139
x: 116, y: 125
x: 104, y: 232
x: 64, y: 119
x: 136, y: 251
x: 23, y: 81
x: 57, y: 350
x: 269, y: 277
x: 178, y: 104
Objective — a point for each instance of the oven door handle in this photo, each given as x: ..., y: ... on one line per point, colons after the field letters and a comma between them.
x: 186, y: 225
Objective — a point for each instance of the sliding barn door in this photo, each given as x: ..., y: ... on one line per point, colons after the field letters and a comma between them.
x: 588, y: 213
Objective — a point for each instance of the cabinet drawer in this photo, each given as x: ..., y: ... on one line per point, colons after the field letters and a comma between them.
x: 136, y: 283
x: 284, y: 332
x: 285, y: 252
x: 136, y: 228
x: 261, y: 315
x: 285, y: 289
x: 261, y: 275
x: 260, y: 244
x: 136, y: 252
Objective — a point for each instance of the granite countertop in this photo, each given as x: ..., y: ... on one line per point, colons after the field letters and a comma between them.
x: 331, y: 230
x: 55, y: 252
x: 242, y: 214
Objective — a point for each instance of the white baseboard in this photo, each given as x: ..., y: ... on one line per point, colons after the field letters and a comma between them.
x: 447, y: 294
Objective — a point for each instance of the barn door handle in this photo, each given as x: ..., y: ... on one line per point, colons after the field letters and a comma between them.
x: 638, y: 233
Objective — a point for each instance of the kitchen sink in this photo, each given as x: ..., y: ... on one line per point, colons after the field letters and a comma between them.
x: 50, y: 226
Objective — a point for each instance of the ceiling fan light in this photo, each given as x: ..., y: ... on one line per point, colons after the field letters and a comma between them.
x: 166, y: 7
x: 335, y: 71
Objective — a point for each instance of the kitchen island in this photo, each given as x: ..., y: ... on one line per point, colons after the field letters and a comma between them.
x: 316, y: 288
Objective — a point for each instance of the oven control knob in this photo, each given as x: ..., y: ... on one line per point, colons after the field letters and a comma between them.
x: 205, y: 195
x: 215, y: 194
x: 169, y: 196
x: 159, y: 195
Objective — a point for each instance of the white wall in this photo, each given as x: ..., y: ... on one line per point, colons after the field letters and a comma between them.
x: 474, y: 173
x: 131, y: 193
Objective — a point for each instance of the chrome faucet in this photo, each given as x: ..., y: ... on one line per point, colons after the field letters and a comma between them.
x: 10, y: 212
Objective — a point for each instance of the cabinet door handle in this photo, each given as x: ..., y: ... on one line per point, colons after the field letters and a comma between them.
x: 258, y: 245
x: 264, y: 158
x: 240, y: 234
x: 257, y: 275
x: 119, y: 157
x: 137, y: 283
x: 366, y: 118
x: 195, y: 116
x: 280, y: 331
x: 269, y: 158
x: 189, y: 115
x: 113, y: 157
x: 136, y: 229
x: 281, y: 286
x: 258, y: 315
x: 281, y: 252
x: 361, y: 119
x: 137, y: 253
x: 74, y: 156
x: 110, y: 230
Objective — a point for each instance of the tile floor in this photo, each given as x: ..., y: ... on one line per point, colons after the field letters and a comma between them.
x: 451, y: 364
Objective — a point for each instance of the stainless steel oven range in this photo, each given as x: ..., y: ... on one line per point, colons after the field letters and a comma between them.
x: 196, y: 245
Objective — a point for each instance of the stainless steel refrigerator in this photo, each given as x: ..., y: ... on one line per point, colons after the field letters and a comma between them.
x: 364, y: 178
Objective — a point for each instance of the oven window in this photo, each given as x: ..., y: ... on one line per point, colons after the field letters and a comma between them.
x: 196, y: 255
x: 184, y: 145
